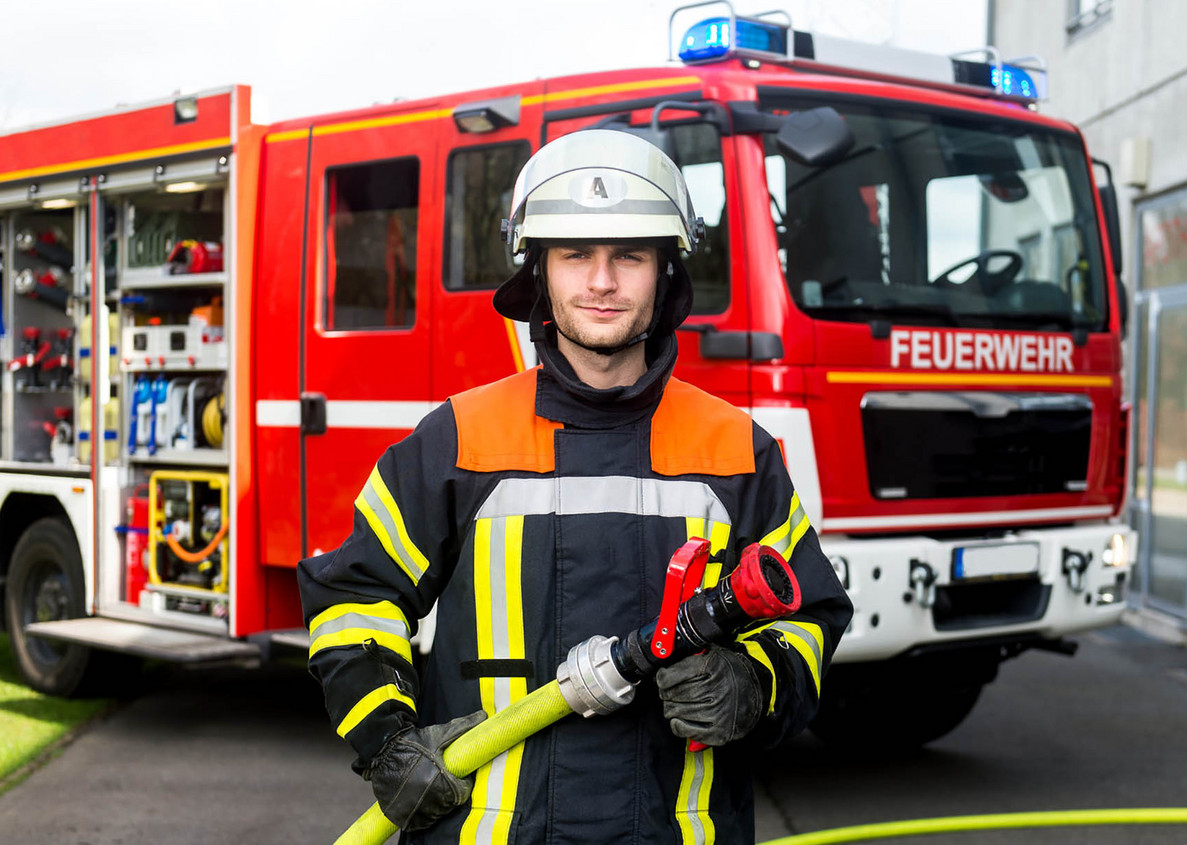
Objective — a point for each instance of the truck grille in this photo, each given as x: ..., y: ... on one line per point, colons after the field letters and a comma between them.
x: 931, y: 445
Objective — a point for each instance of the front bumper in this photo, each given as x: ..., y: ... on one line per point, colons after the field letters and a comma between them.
x: 915, y: 591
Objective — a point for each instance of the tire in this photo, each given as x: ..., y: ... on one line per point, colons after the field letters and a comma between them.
x: 45, y: 583
x: 892, y: 720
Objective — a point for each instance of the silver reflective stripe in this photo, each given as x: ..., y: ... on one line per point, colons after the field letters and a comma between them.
x: 694, y: 809
x: 622, y: 207
x: 379, y: 509
x: 572, y: 496
x: 809, y: 640
x: 496, y: 777
x: 358, y: 620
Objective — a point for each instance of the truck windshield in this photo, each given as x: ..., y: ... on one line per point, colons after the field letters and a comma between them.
x: 934, y: 218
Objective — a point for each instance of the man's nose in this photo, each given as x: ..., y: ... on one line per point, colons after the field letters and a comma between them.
x: 602, y: 276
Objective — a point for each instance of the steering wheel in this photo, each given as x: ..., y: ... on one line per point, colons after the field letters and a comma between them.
x: 990, y: 281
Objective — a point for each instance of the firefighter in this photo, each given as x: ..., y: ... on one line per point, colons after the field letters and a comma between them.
x: 542, y: 509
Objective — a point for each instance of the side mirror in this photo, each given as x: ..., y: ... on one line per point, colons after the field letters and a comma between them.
x: 815, y: 137
x: 1108, y: 203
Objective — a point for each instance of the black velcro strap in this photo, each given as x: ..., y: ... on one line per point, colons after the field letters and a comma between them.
x: 497, y: 668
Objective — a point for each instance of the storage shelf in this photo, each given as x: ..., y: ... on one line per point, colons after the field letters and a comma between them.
x: 40, y: 389
x: 46, y: 468
x: 190, y: 457
x: 199, y: 367
x: 142, y: 278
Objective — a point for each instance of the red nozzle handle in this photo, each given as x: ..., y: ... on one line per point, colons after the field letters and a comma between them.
x: 685, y: 570
x: 764, y: 584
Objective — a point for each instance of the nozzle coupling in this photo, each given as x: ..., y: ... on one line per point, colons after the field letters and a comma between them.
x: 590, y: 682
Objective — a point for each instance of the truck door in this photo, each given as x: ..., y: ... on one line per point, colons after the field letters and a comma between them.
x: 365, y: 370
x: 480, y: 168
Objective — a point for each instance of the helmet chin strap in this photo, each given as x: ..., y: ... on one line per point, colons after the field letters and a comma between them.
x: 542, y: 304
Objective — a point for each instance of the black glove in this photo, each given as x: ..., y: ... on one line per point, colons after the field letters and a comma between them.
x: 713, y: 697
x: 409, y: 778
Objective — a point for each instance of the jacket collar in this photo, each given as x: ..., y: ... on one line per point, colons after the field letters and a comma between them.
x: 563, y: 397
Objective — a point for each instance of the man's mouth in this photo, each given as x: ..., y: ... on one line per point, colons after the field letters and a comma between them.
x: 601, y: 310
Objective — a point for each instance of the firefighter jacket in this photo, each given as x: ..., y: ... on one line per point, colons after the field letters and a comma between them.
x: 537, y: 512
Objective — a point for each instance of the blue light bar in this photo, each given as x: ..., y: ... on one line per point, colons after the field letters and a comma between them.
x: 1014, y: 81
x: 711, y: 40
x: 1025, y: 83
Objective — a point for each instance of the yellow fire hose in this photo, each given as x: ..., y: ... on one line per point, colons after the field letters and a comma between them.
x: 1000, y: 821
x: 481, y: 744
x: 546, y: 705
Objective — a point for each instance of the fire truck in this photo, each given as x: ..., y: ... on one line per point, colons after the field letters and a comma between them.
x: 909, y: 276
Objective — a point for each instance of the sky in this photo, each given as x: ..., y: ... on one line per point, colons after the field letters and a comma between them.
x: 67, y: 58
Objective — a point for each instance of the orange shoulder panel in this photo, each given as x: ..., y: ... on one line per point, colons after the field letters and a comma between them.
x: 497, y: 427
x: 695, y: 432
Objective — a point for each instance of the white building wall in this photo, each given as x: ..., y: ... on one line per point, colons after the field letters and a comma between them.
x: 1122, y: 78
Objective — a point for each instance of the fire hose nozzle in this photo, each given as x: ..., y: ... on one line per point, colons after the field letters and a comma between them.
x: 590, y: 682
x: 764, y: 584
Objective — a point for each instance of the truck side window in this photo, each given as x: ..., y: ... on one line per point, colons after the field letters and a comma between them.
x: 696, y: 148
x: 371, y: 227
x: 481, y: 180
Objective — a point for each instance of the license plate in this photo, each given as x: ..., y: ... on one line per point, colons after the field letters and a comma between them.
x: 1007, y: 560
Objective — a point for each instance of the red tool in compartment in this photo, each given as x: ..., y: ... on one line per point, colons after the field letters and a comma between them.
x: 135, y: 531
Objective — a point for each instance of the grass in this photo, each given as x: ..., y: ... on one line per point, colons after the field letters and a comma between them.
x: 31, y: 723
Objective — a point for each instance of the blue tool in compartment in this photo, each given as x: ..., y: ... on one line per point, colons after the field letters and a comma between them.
x: 159, y: 391
x: 141, y: 397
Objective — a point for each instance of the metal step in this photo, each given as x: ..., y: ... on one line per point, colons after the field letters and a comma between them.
x: 297, y: 638
x: 145, y: 640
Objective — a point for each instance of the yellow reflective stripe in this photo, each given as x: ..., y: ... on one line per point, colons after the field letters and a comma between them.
x: 498, y: 605
x: 367, y: 705
x: 482, y: 607
x: 784, y: 538
x: 376, y: 504
x: 755, y: 651
x: 797, y: 634
x: 353, y: 624
x: 718, y: 534
x: 357, y: 636
x: 696, y: 782
x: 692, y: 801
x: 806, y: 638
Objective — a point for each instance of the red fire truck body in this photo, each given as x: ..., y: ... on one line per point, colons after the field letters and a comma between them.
x: 924, y: 314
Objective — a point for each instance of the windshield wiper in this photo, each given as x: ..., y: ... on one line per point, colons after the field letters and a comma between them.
x: 882, y: 310
x: 1062, y: 319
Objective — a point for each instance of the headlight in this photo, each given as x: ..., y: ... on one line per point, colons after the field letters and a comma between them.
x: 841, y: 567
x: 1116, y: 554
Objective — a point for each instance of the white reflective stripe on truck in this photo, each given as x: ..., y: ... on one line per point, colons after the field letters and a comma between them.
x: 976, y: 518
x: 286, y: 413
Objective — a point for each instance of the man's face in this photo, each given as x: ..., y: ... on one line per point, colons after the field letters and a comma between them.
x: 602, y: 295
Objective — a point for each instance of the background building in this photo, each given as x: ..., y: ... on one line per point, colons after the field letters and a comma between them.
x: 1117, y: 70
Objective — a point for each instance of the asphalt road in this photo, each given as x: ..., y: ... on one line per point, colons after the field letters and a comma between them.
x: 1102, y: 730
x: 237, y: 756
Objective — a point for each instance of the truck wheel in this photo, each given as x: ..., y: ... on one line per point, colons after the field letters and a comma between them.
x: 892, y: 720
x: 45, y: 583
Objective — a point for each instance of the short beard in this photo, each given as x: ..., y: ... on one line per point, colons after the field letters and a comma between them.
x: 601, y: 343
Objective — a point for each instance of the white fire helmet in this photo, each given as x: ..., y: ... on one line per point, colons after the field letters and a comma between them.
x: 601, y: 184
